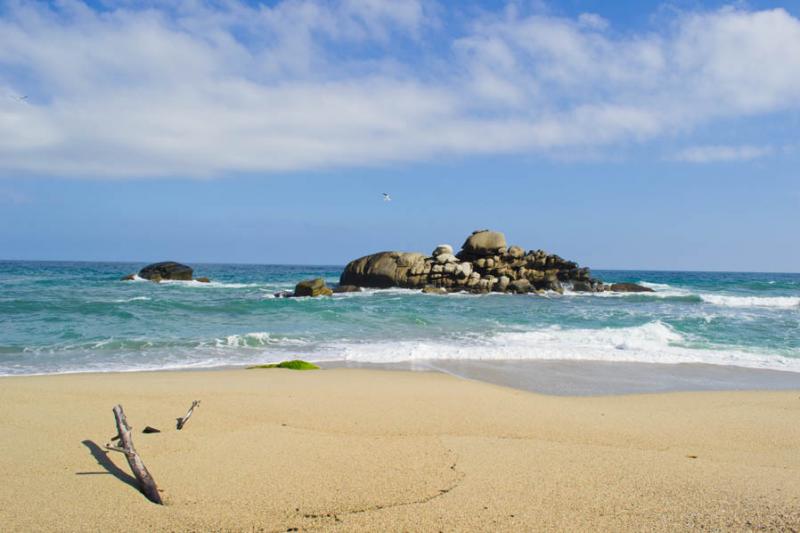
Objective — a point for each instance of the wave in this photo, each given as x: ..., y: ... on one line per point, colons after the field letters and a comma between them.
x: 665, y: 291
x: 210, y: 284
x: 786, y: 302
x: 654, y: 342
x: 134, y: 299
x: 256, y: 340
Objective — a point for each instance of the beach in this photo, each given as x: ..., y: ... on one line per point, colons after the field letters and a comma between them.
x: 369, y: 450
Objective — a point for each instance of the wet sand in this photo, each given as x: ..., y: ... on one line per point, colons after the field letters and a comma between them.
x: 593, y: 378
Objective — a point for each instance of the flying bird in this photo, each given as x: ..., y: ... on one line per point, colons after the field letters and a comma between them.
x: 386, y: 197
x: 19, y: 98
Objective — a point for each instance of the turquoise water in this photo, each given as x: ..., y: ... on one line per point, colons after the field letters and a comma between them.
x: 73, y: 317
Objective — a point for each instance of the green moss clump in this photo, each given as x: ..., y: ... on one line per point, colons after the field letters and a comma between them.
x: 295, y: 364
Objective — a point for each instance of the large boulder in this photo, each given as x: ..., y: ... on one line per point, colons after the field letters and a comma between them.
x: 484, y: 243
x: 385, y: 269
x: 312, y: 287
x: 167, y: 270
x: 629, y: 287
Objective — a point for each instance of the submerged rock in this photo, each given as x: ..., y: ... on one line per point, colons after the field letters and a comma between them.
x: 284, y: 294
x: 434, y: 290
x: 629, y: 287
x: 312, y: 287
x: 346, y: 288
x: 167, y: 270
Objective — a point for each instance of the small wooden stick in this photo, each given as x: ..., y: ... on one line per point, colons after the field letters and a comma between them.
x: 146, y: 482
x: 182, y: 421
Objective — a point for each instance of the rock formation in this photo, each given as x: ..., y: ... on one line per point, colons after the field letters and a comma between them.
x: 484, y: 264
x: 167, y: 270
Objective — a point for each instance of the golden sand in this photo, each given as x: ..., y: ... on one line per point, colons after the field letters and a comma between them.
x: 366, y: 450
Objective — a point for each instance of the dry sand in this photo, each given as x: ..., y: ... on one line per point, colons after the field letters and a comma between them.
x: 348, y: 449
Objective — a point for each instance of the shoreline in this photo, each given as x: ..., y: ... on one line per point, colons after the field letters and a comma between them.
x: 551, y: 377
x: 364, y: 450
x: 598, y: 378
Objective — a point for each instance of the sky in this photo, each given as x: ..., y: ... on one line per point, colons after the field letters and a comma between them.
x: 632, y: 135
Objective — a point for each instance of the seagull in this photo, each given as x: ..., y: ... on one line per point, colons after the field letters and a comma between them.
x: 19, y: 98
x: 386, y: 197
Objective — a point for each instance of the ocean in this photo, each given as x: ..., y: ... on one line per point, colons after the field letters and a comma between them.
x: 60, y: 317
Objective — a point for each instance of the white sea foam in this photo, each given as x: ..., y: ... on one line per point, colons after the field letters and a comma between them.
x: 664, y: 290
x: 255, y: 340
x: 210, y: 284
x: 654, y: 342
x: 195, y: 283
x: 134, y: 299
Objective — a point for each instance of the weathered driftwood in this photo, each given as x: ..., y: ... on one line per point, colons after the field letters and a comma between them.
x: 182, y: 420
x: 146, y: 482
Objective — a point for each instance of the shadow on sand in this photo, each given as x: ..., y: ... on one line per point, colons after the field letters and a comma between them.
x: 101, y: 456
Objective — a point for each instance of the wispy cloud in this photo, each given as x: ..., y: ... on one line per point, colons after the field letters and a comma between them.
x: 721, y: 153
x: 206, y: 89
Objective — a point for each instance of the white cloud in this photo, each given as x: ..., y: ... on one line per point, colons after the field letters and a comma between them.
x: 722, y: 153
x: 206, y: 89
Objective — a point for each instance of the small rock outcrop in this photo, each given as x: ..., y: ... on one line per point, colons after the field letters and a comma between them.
x: 312, y: 287
x: 485, y: 263
x: 167, y: 270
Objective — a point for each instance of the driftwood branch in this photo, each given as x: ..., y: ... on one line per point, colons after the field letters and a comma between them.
x: 146, y: 482
x: 182, y: 420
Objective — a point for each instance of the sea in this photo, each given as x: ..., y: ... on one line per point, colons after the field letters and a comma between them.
x: 66, y: 317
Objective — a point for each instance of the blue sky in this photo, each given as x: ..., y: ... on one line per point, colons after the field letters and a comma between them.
x: 619, y: 134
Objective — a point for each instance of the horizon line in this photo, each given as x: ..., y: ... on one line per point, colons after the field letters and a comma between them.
x: 607, y: 269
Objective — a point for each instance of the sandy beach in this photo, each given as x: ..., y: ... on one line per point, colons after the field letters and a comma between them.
x: 353, y: 449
